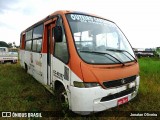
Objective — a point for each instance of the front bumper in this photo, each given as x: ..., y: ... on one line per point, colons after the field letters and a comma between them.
x: 88, y: 100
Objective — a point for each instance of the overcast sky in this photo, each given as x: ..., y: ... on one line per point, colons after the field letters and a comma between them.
x: 138, y: 19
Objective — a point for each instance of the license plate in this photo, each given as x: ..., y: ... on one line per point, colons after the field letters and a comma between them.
x: 122, y: 101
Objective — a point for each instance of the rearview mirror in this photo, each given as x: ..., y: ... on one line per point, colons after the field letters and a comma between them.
x: 58, y: 34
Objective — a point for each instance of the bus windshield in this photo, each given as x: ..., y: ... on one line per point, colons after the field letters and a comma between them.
x: 99, y: 41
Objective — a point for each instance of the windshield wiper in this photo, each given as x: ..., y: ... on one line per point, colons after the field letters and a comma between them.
x: 96, y: 52
x: 117, y: 50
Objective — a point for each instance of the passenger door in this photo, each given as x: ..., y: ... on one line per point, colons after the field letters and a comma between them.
x: 61, y: 71
x: 57, y: 56
x: 50, y: 46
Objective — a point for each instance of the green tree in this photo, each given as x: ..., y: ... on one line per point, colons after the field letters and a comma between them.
x: 158, y: 52
x: 3, y: 44
x: 10, y: 45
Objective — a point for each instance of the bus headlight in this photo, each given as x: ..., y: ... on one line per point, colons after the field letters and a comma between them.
x: 85, y: 84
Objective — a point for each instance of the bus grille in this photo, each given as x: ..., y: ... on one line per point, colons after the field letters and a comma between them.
x: 119, y: 82
x: 117, y: 95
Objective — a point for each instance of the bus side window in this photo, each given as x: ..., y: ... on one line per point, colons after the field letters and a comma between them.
x: 61, y: 48
x: 28, y: 39
x: 37, y: 38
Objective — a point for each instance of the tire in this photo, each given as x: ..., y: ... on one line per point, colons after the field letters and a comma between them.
x: 12, y: 62
x: 62, y: 99
x: 26, y: 68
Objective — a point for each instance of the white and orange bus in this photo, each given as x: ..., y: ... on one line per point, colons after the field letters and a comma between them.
x: 85, y: 58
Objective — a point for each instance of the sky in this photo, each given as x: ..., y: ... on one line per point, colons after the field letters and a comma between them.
x: 138, y: 19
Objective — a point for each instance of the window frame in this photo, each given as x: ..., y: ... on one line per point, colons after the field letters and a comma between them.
x: 26, y: 48
x: 34, y: 39
x: 54, y: 43
x: 37, y: 38
x: 75, y: 43
x: 39, y: 25
x: 28, y: 40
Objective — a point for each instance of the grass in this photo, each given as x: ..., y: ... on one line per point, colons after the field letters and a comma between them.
x: 21, y: 92
x: 149, y: 85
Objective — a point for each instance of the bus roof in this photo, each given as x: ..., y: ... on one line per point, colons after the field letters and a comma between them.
x: 61, y: 12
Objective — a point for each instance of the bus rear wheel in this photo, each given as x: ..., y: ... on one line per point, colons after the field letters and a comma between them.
x: 26, y: 67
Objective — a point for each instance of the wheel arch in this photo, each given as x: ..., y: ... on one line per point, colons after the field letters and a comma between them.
x: 57, y: 84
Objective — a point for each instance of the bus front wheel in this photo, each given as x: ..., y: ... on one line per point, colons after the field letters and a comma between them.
x: 62, y: 98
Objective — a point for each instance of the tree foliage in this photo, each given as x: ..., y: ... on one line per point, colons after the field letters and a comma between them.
x: 10, y: 45
x: 3, y: 44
